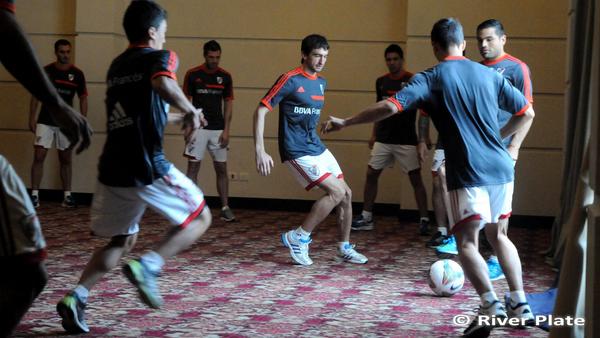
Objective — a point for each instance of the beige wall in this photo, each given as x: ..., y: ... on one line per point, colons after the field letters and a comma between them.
x: 260, y: 40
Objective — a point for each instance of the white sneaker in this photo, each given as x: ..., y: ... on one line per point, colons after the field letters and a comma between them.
x: 520, y: 310
x: 298, y: 247
x: 478, y: 328
x: 348, y: 254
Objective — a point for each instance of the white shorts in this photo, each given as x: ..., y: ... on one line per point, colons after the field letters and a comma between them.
x: 50, y: 136
x: 118, y: 210
x: 309, y: 171
x: 438, y: 160
x: 383, y: 155
x: 205, y: 139
x: 19, y: 225
x: 486, y: 204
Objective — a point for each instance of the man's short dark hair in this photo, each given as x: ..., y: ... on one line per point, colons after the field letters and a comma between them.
x: 139, y: 17
x: 394, y: 48
x: 447, y: 32
x: 492, y: 23
x: 313, y: 41
x: 61, y: 42
x: 211, y: 46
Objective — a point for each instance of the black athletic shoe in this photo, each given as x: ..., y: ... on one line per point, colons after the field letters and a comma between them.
x: 71, y: 310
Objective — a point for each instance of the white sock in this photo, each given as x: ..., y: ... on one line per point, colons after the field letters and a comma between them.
x: 225, y: 207
x: 67, y: 193
x: 343, y: 246
x: 367, y: 215
x: 426, y: 219
x: 488, y: 298
x: 443, y: 231
x: 302, y: 233
x: 153, y: 261
x: 82, y: 292
x: 517, y: 297
x: 35, y: 193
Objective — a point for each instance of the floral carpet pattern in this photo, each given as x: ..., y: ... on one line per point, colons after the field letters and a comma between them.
x: 238, y: 281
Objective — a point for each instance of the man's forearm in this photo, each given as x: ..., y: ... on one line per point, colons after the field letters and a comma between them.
x: 373, y: 113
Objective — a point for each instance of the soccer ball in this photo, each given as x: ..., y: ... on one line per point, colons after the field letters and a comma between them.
x: 446, y: 277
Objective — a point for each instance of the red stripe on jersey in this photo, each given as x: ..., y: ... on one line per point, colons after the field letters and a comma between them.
x: 505, y: 216
x: 172, y: 63
x: 476, y: 217
x: 8, y: 6
x: 277, y: 87
x: 215, y: 86
x: 396, y: 103
x: 522, y: 111
x: 318, y: 97
x: 66, y: 83
x: 164, y: 73
x: 526, y: 82
x: 193, y: 215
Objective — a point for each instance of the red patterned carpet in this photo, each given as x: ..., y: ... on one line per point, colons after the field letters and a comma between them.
x: 238, y: 281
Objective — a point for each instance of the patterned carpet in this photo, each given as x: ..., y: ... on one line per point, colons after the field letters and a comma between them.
x: 238, y: 281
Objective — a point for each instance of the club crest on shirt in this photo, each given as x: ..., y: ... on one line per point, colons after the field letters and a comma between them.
x: 500, y: 70
x: 71, y: 77
x: 219, y: 80
x: 314, y: 170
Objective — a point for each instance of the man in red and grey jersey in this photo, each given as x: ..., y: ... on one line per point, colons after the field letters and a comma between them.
x: 210, y: 88
x: 68, y: 80
x: 300, y: 94
x: 393, y: 139
x: 22, y: 245
x: 491, y: 39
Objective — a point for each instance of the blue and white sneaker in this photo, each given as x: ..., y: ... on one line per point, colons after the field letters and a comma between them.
x: 494, y: 269
x: 348, y: 254
x: 298, y: 247
x: 521, y: 311
x: 145, y: 282
x: 448, y: 249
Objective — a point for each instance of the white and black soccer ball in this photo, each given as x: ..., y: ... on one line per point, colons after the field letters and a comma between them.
x: 446, y: 277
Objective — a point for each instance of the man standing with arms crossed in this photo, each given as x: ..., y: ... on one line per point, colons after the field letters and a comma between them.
x: 393, y: 139
x: 491, y: 40
x: 22, y: 245
x: 68, y: 80
x: 210, y: 88
x: 300, y: 94
x: 463, y: 98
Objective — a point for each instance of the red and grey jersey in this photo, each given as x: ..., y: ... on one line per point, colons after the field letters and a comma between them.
x: 300, y: 97
x: 398, y: 128
x: 517, y: 73
x: 208, y: 89
x: 8, y: 5
x: 136, y: 118
x: 68, y: 83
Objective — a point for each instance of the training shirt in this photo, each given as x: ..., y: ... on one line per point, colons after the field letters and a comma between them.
x: 300, y: 97
x: 136, y: 118
x: 517, y: 73
x: 8, y: 5
x: 208, y: 89
x: 463, y: 98
x: 68, y: 83
x: 398, y: 128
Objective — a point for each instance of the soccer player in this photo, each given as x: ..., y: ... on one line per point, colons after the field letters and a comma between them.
x: 300, y: 95
x: 463, y: 98
x: 491, y: 39
x: 133, y: 170
x: 393, y: 139
x: 22, y: 245
x: 210, y: 88
x: 68, y: 80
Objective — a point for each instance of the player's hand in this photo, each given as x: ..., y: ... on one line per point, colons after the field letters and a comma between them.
x: 422, y: 148
x: 264, y: 163
x: 513, y: 152
x: 72, y: 124
x: 224, y: 139
x: 191, y: 122
x: 332, y: 124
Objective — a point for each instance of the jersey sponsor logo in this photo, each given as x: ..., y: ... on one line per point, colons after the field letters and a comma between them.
x: 307, y: 110
x: 300, y: 90
x: 209, y: 91
x: 118, y: 118
x: 121, y: 80
x: 64, y: 91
